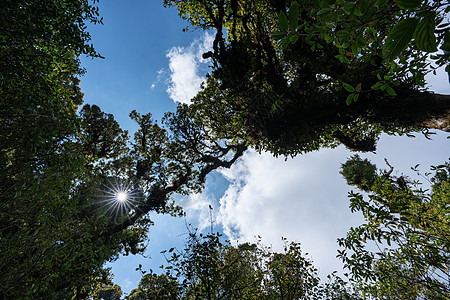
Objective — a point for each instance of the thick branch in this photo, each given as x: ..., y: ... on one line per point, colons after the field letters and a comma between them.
x: 216, y: 163
x: 422, y: 109
x: 158, y: 195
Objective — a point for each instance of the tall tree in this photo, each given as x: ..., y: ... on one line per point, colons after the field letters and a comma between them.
x: 73, y: 193
x: 292, y: 76
x: 410, y: 228
x: 40, y: 42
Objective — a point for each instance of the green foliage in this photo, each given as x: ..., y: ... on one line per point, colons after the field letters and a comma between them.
x: 359, y: 172
x: 410, y: 227
x: 399, y: 38
x: 424, y: 33
x: 46, y: 248
x: 294, y: 76
x: 108, y: 291
x: 154, y: 286
x: 211, y: 269
x: 60, y: 219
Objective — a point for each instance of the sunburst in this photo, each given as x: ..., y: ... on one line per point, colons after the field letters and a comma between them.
x: 119, y: 198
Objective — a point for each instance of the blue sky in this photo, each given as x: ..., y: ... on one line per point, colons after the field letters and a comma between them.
x: 149, y: 64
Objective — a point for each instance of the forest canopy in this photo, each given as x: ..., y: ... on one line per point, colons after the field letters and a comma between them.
x: 293, y: 76
x: 288, y: 77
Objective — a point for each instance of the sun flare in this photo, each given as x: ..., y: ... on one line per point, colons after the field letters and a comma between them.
x: 122, y: 196
x: 118, y: 198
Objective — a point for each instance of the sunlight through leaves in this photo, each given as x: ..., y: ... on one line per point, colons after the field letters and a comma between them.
x: 119, y: 198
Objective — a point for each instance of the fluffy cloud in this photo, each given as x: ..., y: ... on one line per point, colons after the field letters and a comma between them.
x: 199, y: 209
x: 305, y: 199
x: 302, y: 199
x: 186, y: 67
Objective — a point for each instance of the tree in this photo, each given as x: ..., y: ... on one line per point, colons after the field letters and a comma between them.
x: 211, y: 269
x: 154, y: 286
x: 107, y: 290
x: 60, y: 171
x: 293, y: 76
x: 39, y: 160
x: 410, y: 228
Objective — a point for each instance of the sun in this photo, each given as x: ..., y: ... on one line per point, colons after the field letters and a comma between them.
x: 121, y: 196
x: 118, y: 198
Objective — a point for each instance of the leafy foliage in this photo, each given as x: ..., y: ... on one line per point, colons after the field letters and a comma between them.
x: 410, y: 228
x: 60, y: 218
x: 211, y: 269
x: 359, y: 172
x: 294, y: 76
x: 154, y: 286
x: 107, y: 291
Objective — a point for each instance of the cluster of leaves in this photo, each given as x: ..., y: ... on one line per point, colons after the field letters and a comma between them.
x: 211, y: 269
x: 293, y: 76
x: 408, y: 225
x: 354, y: 27
x: 107, y: 290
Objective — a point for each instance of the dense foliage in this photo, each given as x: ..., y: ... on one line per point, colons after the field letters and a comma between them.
x: 60, y: 171
x: 409, y: 226
x: 39, y: 160
x: 294, y: 76
x: 211, y: 269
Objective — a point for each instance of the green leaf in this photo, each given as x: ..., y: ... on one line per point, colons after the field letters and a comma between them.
x: 399, y: 38
x: 408, y: 4
x: 323, y: 11
x: 285, y: 42
x: 390, y: 91
x: 424, y: 34
x: 348, y: 8
x: 348, y: 87
x: 357, y: 11
x: 293, y: 38
x: 349, y: 99
x: 327, y: 38
x: 377, y: 85
x: 293, y: 14
x: 277, y: 35
x: 380, y: 3
x: 283, y: 21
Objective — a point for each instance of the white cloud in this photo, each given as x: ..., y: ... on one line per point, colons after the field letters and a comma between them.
x: 128, y: 283
x: 305, y: 199
x: 302, y: 199
x: 197, y: 207
x: 185, y: 72
x: 159, y: 77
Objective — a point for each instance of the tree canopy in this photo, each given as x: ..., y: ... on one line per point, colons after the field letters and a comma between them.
x: 209, y: 268
x: 61, y: 169
x: 288, y: 76
x: 408, y: 224
x: 293, y: 76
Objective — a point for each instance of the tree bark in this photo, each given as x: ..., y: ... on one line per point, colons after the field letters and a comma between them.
x: 421, y: 109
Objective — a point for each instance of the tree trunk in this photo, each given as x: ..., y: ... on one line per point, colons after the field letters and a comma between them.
x: 421, y: 109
